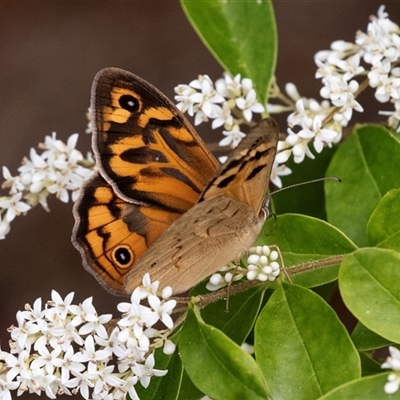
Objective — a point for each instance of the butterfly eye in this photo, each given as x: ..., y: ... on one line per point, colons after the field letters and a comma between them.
x: 129, y: 103
x: 123, y: 256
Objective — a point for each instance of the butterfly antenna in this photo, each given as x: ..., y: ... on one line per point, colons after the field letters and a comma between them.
x: 327, y: 178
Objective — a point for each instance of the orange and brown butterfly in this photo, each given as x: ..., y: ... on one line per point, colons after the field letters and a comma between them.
x: 160, y: 203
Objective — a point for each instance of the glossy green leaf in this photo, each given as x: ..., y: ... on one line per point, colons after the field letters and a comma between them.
x: 240, y: 34
x: 369, y: 366
x: 369, y: 284
x: 216, y: 364
x: 238, y: 320
x: 383, y: 230
x: 365, y: 162
x: 365, y: 340
x: 368, y: 388
x: 301, y: 345
x: 168, y: 386
x: 188, y: 390
x: 308, y: 199
x: 303, y: 239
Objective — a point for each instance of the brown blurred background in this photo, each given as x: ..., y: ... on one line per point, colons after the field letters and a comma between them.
x: 50, y: 52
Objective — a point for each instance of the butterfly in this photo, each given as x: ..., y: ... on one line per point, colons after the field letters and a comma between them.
x: 160, y: 203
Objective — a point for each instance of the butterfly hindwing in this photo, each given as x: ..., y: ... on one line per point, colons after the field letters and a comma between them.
x: 112, y: 234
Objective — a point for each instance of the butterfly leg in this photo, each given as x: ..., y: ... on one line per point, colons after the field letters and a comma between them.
x: 228, y: 288
x: 276, y: 247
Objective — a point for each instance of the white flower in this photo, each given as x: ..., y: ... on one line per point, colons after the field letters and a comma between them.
x: 17, y: 365
x: 49, y: 359
x: 277, y: 172
x: 249, y: 104
x: 69, y: 366
x: 232, y: 137
x: 81, y: 383
x: 379, y: 73
x: 85, y: 312
x: 202, y: 101
x: 229, y: 87
x: 146, y: 371
x: 5, y: 387
x: 127, y: 387
x: 169, y: 347
x: 325, y: 70
x: 58, y: 305
x: 24, y: 333
x: 163, y: 309
x: 103, y: 379
x: 13, y: 182
x: 389, y: 88
x: 299, y: 143
x: 89, y: 353
x: 14, y: 206
x: 223, y: 117
x: 351, y: 67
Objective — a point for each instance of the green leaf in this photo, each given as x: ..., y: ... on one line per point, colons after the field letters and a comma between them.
x: 168, y: 386
x: 306, y: 199
x: 368, y: 388
x: 188, y: 390
x: 383, y: 230
x: 217, y: 365
x: 365, y: 340
x: 301, y: 345
x: 369, y: 285
x: 240, y: 34
x: 365, y: 162
x: 241, y: 315
x: 304, y: 239
x: 369, y: 366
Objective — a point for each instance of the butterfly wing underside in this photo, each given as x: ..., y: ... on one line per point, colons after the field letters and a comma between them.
x: 152, y: 168
x: 224, y: 223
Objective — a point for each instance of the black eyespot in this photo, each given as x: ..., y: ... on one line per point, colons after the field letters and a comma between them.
x: 129, y: 103
x: 123, y: 256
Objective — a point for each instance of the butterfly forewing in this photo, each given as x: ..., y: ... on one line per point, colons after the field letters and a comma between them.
x: 248, y: 168
x: 145, y: 148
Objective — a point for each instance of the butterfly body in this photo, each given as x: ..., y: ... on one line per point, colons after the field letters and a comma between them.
x: 160, y: 203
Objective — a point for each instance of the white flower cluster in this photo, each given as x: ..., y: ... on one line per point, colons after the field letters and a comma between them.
x: 69, y: 349
x: 392, y: 362
x: 261, y: 265
x: 58, y: 169
x: 322, y: 122
x: 229, y: 103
